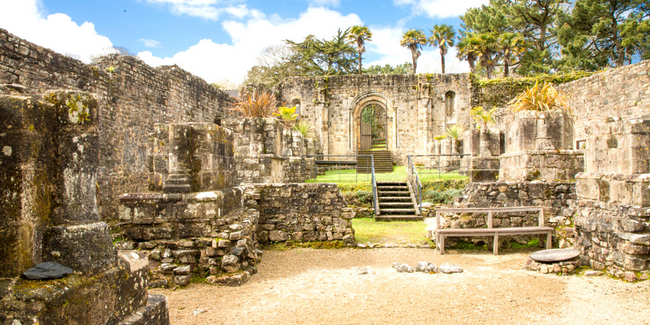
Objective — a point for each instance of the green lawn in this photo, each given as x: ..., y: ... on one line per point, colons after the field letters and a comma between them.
x: 398, y: 175
x: 367, y: 230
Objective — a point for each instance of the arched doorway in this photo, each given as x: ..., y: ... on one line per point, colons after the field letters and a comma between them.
x: 373, y: 131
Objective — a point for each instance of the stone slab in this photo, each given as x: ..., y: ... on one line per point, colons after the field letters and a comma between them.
x: 555, y: 255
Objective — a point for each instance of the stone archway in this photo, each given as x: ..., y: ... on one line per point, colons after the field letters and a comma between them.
x: 380, y: 101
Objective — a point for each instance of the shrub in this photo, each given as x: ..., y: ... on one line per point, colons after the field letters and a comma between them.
x: 455, y: 131
x: 305, y: 129
x: 256, y: 104
x: 443, y: 197
x: 364, y: 197
x: 543, y: 98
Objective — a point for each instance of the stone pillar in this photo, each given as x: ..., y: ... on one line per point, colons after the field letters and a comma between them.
x: 484, y: 143
x: 180, y: 159
x: 542, y: 140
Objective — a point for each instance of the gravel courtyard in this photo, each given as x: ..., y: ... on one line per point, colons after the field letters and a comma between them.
x: 306, y: 286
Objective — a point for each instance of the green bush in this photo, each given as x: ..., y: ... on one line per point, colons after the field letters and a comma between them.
x: 443, y: 197
x: 364, y: 197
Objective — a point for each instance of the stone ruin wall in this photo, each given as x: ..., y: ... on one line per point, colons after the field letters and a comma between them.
x: 132, y: 98
x: 267, y: 151
x: 48, y: 168
x: 415, y: 105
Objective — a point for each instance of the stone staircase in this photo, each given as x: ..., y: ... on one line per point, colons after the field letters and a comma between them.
x: 383, y: 161
x: 395, y: 203
x: 379, y: 144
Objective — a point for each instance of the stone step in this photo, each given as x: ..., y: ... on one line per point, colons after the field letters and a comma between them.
x: 392, y: 188
x: 395, y: 198
x: 395, y: 204
x: 398, y: 193
x: 395, y: 211
x: 398, y: 218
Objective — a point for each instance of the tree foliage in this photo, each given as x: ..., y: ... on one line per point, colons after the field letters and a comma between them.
x: 359, y: 35
x: 442, y: 36
x: 404, y: 68
x: 414, y: 39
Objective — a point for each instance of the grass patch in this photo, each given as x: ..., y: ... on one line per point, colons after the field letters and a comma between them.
x: 531, y: 244
x: 349, y: 176
x: 367, y: 230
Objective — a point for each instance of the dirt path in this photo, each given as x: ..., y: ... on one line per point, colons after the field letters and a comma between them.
x: 305, y: 286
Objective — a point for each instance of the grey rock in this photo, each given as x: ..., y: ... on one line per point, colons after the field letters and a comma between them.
x: 401, y: 267
x: 364, y: 270
x: 450, y: 268
x: 237, y: 251
x: 182, y: 280
x: 426, y: 267
x: 229, y: 260
x: 166, y: 267
x: 158, y: 284
x: 183, y: 270
x: 47, y: 271
x: 236, y: 235
x: 198, y: 312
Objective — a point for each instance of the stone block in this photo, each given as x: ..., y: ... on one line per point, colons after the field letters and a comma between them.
x: 83, y: 248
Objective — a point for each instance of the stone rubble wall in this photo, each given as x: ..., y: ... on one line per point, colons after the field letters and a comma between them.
x: 132, y: 97
x: 300, y: 212
x: 551, y: 165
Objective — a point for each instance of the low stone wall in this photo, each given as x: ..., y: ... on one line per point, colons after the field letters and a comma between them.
x: 613, y: 236
x: 300, y: 212
x: 550, y: 165
x: 557, y: 196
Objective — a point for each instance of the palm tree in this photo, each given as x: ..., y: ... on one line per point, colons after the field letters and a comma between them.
x: 487, y: 49
x: 509, y: 44
x: 442, y: 36
x: 414, y: 39
x: 468, y: 50
x: 359, y: 35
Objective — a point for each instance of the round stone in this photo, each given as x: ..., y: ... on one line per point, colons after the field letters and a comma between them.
x: 555, y: 255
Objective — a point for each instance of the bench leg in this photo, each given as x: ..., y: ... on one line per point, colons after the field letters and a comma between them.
x: 495, y: 249
x: 442, y: 244
x: 549, y: 239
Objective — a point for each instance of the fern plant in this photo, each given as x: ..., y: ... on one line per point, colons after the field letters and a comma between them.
x: 256, y: 104
x: 543, y: 98
x: 455, y: 131
x: 305, y: 129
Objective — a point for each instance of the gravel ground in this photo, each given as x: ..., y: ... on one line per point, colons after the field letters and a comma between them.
x: 306, y: 286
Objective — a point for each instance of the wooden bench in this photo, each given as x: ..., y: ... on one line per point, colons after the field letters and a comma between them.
x: 440, y: 234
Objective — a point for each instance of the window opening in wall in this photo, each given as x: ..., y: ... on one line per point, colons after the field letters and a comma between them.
x: 450, y: 98
x: 581, y: 144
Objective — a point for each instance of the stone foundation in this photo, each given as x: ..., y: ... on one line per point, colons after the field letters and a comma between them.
x: 559, y: 268
x: 300, y: 212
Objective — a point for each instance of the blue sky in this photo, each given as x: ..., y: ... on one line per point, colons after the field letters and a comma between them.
x: 221, y: 39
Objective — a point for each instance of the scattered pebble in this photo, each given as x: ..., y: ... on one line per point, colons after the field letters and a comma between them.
x: 198, y: 312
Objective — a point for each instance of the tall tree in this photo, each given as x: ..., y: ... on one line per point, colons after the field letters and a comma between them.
x: 487, y: 49
x: 610, y: 32
x: 442, y: 36
x: 324, y: 57
x: 468, y: 49
x: 414, y: 39
x: 359, y: 35
x: 404, y: 68
x: 510, y: 46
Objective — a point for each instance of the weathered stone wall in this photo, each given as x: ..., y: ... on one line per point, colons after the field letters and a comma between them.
x: 609, y: 94
x: 300, y: 212
x: 200, y: 153
x: 266, y: 151
x: 132, y: 97
x: 48, y: 168
x: 418, y: 108
x: 549, y: 165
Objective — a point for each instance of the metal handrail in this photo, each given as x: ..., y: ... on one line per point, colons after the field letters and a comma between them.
x: 375, y: 200
x: 439, y: 167
x: 415, y: 181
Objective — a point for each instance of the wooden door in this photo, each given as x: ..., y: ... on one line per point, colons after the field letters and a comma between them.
x: 366, y: 136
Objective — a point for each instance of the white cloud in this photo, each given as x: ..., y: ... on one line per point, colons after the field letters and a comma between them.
x: 441, y: 8
x: 149, y: 42
x: 212, y: 61
x: 57, y: 32
x: 208, y: 9
x: 331, y: 3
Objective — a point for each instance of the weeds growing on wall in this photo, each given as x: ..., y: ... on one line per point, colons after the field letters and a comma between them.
x: 482, y: 117
x: 443, y: 197
x: 305, y: 129
x: 540, y: 97
x: 256, y: 104
x: 287, y: 115
x: 455, y: 131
